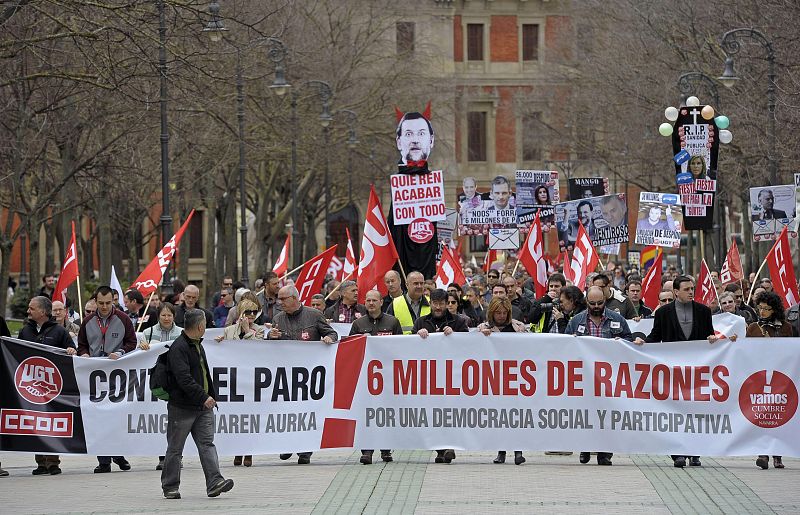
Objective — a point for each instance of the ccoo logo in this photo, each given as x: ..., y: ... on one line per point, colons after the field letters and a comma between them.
x: 420, y: 230
x: 38, y: 380
x: 768, y: 399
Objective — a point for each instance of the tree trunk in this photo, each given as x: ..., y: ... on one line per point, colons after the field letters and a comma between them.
x: 104, y: 238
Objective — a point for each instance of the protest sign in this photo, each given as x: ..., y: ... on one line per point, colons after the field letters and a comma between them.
x: 695, y: 144
x: 537, y: 191
x: 587, y: 187
x: 497, y: 212
x: 417, y: 196
x: 660, y: 220
x: 771, y: 209
x: 604, y: 218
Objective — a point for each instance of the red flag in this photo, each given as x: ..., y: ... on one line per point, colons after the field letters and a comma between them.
x: 781, y: 270
x: 705, y: 291
x: 282, y: 264
x: 69, y: 270
x: 378, y: 253
x: 732, y: 267
x: 651, y: 284
x: 449, y: 270
x: 311, y: 277
x: 148, y: 280
x: 584, y: 260
x: 349, y: 270
x: 489, y: 259
x: 532, y: 257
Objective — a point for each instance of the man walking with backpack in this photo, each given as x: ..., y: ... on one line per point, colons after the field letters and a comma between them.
x: 189, y: 409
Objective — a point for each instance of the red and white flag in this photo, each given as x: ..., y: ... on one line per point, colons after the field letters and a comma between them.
x: 489, y: 259
x: 378, y: 253
x: 282, y: 264
x: 335, y: 268
x: 349, y: 270
x: 651, y: 284
x: 69, y: 271
x: 584, y: 260
x: 149, y: 279
x: 732, y: 267
x: 449, y: 270
x: 705, y: 291
x: 781, y: 270
x: 533, y: 259
x: 312, y: 275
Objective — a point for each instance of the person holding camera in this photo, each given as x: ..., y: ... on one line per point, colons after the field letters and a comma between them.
x: 571, y: 303
x: 541, y: 312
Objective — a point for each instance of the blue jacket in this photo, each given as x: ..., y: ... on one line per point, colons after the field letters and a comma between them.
x: 614, y: 325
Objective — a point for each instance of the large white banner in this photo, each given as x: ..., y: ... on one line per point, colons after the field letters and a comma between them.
x: 463, y: 391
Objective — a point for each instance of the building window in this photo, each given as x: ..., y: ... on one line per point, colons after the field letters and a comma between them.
x: 196, y: 236
x: 476, y: 136
x: 532, y: 137
x: 530, y: 42
x: 405, y: 37
x: 475, y: 42
x: 478, y: 244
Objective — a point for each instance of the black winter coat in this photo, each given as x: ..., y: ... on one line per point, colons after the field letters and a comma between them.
x: 185, y: 387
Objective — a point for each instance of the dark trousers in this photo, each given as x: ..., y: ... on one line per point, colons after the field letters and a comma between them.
x: 106, y: 460
x: 200, y: 424
x: 48, y: 460
x: 370, y: 451
x: 676, y: 456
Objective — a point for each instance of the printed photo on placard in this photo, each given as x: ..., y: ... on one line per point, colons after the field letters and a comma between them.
x: 537, y: 191
x: 497, y: 211
x: 660, y: 220
x: 695, y: 145
x: 587, y: 187
x: 771, y: 209
x: 604, y: 218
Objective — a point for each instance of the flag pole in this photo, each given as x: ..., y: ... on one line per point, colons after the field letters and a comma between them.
x: 755, y: 279
x: 80, y: 303
x: 339, y: 285
x: 402, y: 271
x: 141, y: 320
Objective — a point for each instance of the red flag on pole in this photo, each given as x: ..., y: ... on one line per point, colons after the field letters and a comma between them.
x: 378, y: 253
x: 449, y: 270
x: 349, y: 270
x: 532, y: 257
x: 584, y: 259
x: 148, y: 280
x: 705, y: 291
x: 282, y: 264
x: 781, y: 270
x: 651, y: 284
x: 311, y: 277
x: 69, y: 270
x: 489, y: 259
x: 732, y: 267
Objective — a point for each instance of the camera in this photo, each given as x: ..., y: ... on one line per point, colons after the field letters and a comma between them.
x: 550, y: 305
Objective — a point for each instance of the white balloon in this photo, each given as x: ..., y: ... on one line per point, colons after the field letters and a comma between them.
x: 725, y: 136
x: 671, y: 113
x: 692, y: 101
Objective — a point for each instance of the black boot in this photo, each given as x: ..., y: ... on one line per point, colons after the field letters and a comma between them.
x: 519, y: 459
x: 501, y: 457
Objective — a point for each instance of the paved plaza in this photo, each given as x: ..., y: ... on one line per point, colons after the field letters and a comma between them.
x: 336, y: 483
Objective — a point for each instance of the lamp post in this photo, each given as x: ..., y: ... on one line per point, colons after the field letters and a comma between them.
x: 688, y: 84
x: 166, y: 218
x: 277, y: 53
x: 731, y: 45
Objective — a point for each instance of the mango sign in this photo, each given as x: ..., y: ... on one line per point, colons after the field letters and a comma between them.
x: 418, y: 196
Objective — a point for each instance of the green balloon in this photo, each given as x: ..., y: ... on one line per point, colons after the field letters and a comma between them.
x: 722, y: 121
x: 665, y: 129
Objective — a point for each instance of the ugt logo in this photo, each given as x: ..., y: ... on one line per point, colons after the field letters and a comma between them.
x: 38, y: 380
x: 420, y: 230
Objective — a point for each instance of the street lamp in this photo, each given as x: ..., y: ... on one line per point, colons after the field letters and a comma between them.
x: 276, y: 53
x: 166, y: 218
x: 731, y: 45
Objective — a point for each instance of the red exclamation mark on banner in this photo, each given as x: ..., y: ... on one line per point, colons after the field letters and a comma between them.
x: 341, y: 432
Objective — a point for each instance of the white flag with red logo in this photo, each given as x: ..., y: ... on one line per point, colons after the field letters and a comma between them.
x: 149, y: 279
x: 282, y: 264
x: 335, y: 268
x: 781, y: 270
x: 349, y: 271
x: 69, y: 271
x: 651, y: 284
x: 732, y: 267
x: 378, y: 253
x: 311, y: 277
x: 533, y: 259
x: 705, y: 291
x: 449, y: 270
x: 584, y: 260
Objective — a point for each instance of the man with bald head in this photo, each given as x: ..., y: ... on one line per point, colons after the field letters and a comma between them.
x: 297, y: 322
x: 600, y: 322
x: 395, y: 287
x: 376, y: 323
x: 191, y: 296
x: 409, y: 307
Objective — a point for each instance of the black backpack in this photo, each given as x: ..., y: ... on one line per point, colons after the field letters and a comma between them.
x: 160, y: 377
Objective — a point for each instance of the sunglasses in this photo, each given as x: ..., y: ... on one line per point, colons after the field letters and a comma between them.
x: 251, y: 312
x: 600, y: 303
x: 89, y: 311
x: 452, y: 302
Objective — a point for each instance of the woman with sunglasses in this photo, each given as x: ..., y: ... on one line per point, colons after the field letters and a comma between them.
x: 498, y: 320
x: 245, y: 328
x: 771, y: 324
x: 454, y: 307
